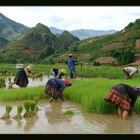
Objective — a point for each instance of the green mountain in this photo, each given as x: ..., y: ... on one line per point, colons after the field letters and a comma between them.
x: 38, y: 37
x: 3, y: 42
x: 40, y: 45
x: 10, y: 29
x: 65, y: 40
x: 122, y: 46
x: 37, y: 43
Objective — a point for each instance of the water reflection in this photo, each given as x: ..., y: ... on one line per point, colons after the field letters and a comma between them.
x: 30, y: 122
x: 33, y: 82
x: 55, y: 115
x: 19, y: 123
x: 7, y: 121
x: 110, y: 123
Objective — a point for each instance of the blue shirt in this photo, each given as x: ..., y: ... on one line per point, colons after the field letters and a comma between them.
x: 71, y: 63
x: 59, y: 84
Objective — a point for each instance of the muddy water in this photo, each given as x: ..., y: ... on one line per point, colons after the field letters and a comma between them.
x: 50, y: 119
x: 34, y: 82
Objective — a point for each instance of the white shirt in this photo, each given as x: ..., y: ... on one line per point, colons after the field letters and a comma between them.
x: 131, y: 70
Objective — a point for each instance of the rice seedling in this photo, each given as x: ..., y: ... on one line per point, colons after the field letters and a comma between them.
x: 112, y: 72
x: 137, y: 107
x: 18, y: 115
x: 27, y: 109
x: 22, y: 93
x: 36, y: 99
x: 91, y: 94
x: 32, y: 108
x: 6, y: 115
x: 2, y: 83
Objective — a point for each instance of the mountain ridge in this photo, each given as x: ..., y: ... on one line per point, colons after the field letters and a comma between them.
x: 83, y: 33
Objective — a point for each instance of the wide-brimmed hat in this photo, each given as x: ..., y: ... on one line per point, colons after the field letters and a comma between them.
x: 18, y: 66
x: 29, y: 67
x: 70, y: 54
x: 63, y: 71
x: 68, y: 82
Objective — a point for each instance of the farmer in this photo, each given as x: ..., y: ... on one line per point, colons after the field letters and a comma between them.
x: 55, y: 72
x: 28, y: 70
x: 130, y: 71
x: 71, y: 66
x: 124, y: 96
x: 55, y: 86
x: 9, y: 83
x: 21, y: 78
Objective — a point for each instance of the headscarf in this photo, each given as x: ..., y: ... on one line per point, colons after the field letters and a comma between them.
x: 68, y: 82
x: 19, y: 66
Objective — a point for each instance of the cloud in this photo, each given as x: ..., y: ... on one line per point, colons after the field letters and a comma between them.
x: 55, y: 19
x: 74, y: 17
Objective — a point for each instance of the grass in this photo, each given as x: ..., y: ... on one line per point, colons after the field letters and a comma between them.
x: 22, y: 93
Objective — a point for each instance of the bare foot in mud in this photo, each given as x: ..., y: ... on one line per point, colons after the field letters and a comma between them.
x: 51, y: 100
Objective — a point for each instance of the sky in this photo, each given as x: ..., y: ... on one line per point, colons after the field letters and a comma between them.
x: 74, y: 17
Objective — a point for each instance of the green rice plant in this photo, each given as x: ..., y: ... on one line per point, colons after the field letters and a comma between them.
x: 137, y: 107
x: 18, y: 115
x: 6, y: 115
x: 22, y: 93
x: 32, y: 108
x: 27, y: 109
x: 112, y: 72
x: 2, y: 83
x: 91, y: 94
x: 36, y: 99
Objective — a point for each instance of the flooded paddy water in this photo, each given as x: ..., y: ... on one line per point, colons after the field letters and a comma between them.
x: 32, y: 82
x: 51, y: 119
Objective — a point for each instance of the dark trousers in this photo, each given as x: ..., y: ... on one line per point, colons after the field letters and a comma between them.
x: 127, y: 74
x: 72, y: 73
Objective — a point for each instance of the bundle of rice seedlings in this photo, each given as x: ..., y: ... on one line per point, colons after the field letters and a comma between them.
x: 32, y: 108
x: 27, y: 109
x: 2, y: 83
x: 36, y: 99
x: 18, y: 115
x: 6, y: 115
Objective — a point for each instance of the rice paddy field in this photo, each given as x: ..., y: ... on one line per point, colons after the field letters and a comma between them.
x: 112, y: 72
x: 84, y: 109
x: 90, y: 93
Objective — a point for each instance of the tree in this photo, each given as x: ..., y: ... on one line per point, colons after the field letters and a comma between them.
x: 124, y: 56
x: 46, y: 52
